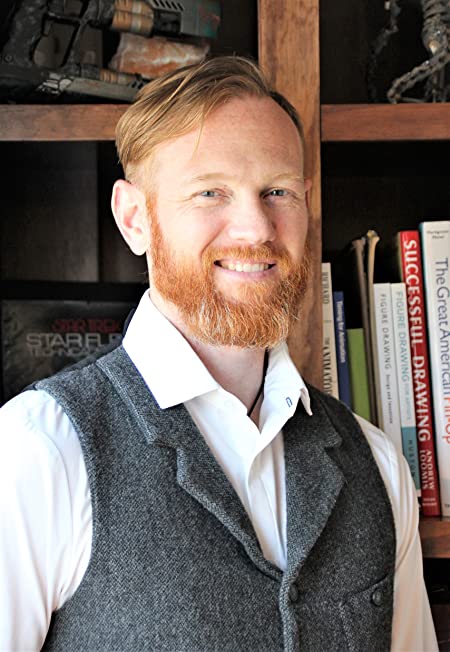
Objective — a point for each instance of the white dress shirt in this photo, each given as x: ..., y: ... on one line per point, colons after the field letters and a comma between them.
x: 46, y: 518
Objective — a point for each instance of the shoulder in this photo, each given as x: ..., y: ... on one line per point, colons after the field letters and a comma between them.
x: 391, y: 464
x: 87, y: 374
x: 45, y: 507
x: 37, y: 434
x: 342, y: 418
x: 397, y: 478
x: 34, y: 412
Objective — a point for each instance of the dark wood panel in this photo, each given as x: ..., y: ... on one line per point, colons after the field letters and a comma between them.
x: 61, y: 122
x: 289, y: 54
x: 385, y: 122
x: 441, y: 618
x: 48, y: 222
x: 435, y: 536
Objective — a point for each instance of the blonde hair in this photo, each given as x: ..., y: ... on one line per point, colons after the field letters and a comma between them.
x: 172, y: 105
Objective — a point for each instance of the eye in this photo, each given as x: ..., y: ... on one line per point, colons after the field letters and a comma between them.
x: 277, y: 192
x: 209, y: 193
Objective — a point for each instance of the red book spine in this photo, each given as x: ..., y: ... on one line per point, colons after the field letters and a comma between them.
x: 411, y: 269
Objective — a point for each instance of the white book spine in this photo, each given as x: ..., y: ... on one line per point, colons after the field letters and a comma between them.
x: 405, y: 379
x: 389, y: 411
x: 436, y: 253
x: 330, y: 374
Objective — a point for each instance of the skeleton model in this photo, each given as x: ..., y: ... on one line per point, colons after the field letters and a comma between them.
x: 436, y: 39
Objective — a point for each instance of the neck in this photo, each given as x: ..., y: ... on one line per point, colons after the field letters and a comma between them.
x: 238, y: 370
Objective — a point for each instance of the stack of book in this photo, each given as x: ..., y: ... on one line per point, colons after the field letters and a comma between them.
x: 386, y: 346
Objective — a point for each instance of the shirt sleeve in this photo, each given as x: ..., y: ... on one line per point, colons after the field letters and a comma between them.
x: 412, y: 625
x: 46, y: 522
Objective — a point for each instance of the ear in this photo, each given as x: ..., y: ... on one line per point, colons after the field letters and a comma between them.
x: 130, y: 212
x: 308, y: 185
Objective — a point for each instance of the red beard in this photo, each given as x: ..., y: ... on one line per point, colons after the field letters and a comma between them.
x: 262, y: 315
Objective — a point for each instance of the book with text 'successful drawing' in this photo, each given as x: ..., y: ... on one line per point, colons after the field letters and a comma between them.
x: 436, y: 253
x: 410, y: 265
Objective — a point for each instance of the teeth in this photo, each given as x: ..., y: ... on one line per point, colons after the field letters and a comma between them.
x: 246, y: 267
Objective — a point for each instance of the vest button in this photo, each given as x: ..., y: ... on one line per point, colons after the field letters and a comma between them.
x: 377, y: 597
x: 293, y: 593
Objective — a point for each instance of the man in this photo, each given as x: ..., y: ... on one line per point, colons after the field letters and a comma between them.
x: 188, y: 491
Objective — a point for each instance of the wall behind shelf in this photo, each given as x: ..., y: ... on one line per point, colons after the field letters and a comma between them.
x: 49, y: 212
x: 385, y: 186
x: 56, y: 221
x: 347, y: 31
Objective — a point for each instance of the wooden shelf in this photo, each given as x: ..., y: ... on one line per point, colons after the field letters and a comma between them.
x: 385, y: 122
x: 62, y: 122
x: 339, y: 122
x: 435, y: 536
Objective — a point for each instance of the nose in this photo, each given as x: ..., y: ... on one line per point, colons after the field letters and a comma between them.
x: 252, y: 223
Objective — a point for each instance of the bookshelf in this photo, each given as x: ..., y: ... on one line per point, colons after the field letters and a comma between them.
x: 339, y: 123
x: 289, y: 53
x: 75, y: 122
x: 435, y: 536
x: 384, y: 122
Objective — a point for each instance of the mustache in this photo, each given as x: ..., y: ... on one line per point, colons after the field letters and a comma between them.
x: 260, y: 253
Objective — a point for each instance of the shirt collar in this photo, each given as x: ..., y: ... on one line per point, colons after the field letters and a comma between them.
x: 283, y: 376
x: 169, y: 366
x: 173, y: 371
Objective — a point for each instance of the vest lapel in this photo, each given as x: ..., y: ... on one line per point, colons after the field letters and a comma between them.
x: 313, y: 481
x: 198, y: 472
x: 201, y: 476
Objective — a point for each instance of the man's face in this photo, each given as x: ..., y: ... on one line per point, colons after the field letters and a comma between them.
x: 229, y: 222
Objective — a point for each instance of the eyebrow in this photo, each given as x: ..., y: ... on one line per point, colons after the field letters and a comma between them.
x: 220, y: 175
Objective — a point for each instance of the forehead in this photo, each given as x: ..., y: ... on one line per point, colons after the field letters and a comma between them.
x: 243, y: 135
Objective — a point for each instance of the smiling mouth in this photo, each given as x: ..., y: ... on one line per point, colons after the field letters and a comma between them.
x: 236, y: 266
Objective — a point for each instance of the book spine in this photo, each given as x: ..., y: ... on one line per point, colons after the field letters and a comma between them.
x: 389, y: 415
x: 436, y: 251
x: 358, y: 372
x: 341, y: 348
x: 411, y: 272
x: 404, y: 378
x: 330, y: 377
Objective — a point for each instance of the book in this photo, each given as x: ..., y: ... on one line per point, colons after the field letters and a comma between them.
x: 409, y: 264
x: 330, y: 376
x: 388, y: 405
x: 358, y: 373
x: 404, y: 379
x: 39, y: 338
x: 436, y: 252
x: 341, y: 348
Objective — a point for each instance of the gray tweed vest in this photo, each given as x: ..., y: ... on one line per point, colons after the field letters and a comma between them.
x: 175, y: 561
